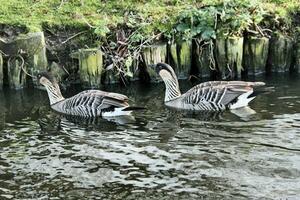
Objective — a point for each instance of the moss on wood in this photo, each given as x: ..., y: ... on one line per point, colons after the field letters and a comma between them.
x: 16, y: 77
x: 32, y: 47
x: 90, y: 67
x: 297, y: 57
x: 181, y: 58
x: 229, y: 56
x: 1, y: 71
x: 151, y: 55
x: 203, y: 60
x: 280, y: 54
x: 255, y: 55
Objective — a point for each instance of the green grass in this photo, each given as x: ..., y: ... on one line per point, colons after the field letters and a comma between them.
x: 146, y: 16
x: 34, y: 14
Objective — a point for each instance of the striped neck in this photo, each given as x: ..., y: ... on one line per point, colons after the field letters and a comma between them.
x: 54, y: 93
x: 172, y: 88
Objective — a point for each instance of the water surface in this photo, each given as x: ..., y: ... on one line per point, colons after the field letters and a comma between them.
x: 158, y: 154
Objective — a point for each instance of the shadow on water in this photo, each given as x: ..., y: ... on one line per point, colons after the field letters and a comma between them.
x: 158, y: 153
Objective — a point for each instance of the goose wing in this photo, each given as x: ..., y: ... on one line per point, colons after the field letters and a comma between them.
x: 218, y: 94
x: 93, y: 102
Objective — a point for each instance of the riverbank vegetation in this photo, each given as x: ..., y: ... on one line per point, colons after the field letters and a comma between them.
x: 122, y: 28
x: 150, y: 17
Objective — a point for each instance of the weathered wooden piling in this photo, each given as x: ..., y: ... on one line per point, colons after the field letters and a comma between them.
x: 229, y: 56
x: 3, y: 110
x: 16, y: 76
x: 297, y: 57
x: 32, y: 48
x: 203, y: 59
x: 134, y: 69
x: 280, y: 54
x: 90, y: 67
x: 152, y: 55
x: 1, y: 71
x: 255, y: 55
x: 180, y: 58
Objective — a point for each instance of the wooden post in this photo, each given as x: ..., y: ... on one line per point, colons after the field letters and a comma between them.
x: 3, y: 110
x: 280, y: 54
x: 203, y: 59
x: 90, y: 67
x: 152, y: 55
x: 297, y: 58
x: 34, y: 46
x: 33, y: 49
x: 16, y: 76
x: 255, y: 55
x: 229, y: 56
x: 180, y: 58
x: 1, y: 71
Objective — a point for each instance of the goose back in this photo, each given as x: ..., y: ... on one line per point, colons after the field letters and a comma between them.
x: 91, y: 103
x: 214, y: 95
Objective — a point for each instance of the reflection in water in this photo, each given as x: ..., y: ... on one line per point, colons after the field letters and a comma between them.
x: 157, y: 154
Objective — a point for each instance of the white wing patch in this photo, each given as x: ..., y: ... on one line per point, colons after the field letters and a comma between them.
x: 242, y: 100
x: 116, y: 112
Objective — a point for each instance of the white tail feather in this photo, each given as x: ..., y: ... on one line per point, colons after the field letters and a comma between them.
x: 116, y: 112
x: 242, y: 100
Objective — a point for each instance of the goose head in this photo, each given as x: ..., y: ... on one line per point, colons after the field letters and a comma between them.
x: 46, y: 79
x: 169, y: 77
x: 51, y: 85
x: 165, y: 71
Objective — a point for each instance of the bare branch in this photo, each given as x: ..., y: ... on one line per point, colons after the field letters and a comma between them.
x: 73, y: 36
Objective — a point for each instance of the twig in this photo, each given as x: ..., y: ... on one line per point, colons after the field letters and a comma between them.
x: 230, y: 72
x: 73, y: 36
x: 193, y: 76
x: 251, y: 31
x: 212, y: 62
x: 83, y: 18
x: 259, y: 30
x: 22, y: 65
x: 3, y: 53
x: 266, y: 29
x: 65, y: 70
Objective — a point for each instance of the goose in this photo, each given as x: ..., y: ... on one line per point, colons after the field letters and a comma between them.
x: 207, y: 96
x: 88, y: 103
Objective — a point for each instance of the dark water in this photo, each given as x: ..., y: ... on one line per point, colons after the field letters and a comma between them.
x: 161, y: 154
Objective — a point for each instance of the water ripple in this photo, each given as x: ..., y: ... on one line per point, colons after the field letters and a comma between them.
x: 158, y: 154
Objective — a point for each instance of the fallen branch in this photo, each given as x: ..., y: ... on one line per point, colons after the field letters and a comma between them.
x: 73, y: 36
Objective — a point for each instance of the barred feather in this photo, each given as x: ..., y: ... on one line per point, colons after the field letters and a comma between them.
x: 208, y: 96
x: 89, y: 103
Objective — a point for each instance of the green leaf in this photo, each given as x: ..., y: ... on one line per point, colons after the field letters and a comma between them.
x: 208, y: 34
x: 128, y: 63
x: 182, y: 27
